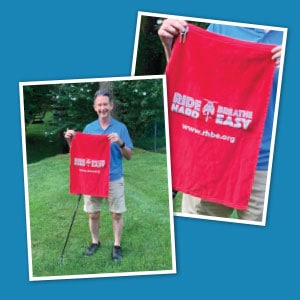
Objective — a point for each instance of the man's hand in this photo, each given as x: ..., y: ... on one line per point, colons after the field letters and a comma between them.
x: 69, y: 134
x: 276, y: 54
x: 114, y: 138
x: 126, y: 152
x: 169, y: 29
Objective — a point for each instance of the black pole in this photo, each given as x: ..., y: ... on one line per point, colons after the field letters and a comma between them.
x: 61, y: 257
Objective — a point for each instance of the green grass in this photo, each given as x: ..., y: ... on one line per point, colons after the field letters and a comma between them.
x: 146, y: 238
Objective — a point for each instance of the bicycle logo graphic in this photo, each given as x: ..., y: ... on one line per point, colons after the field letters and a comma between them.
x: 208, y: 109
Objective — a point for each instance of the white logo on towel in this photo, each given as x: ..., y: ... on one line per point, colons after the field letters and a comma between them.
x: 222, y: 115
x: 87, y: 162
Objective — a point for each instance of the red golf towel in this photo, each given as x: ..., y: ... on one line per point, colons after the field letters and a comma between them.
x: 218, y: 95
x: 89, y: 164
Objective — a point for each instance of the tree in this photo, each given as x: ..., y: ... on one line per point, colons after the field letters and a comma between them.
x: 150, y: 54
x: 72, y: 105
x: 37, y: 101
x: 139, y: 104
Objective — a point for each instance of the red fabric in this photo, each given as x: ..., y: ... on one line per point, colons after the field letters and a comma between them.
x: 218, y: 94
x: 90, y: 164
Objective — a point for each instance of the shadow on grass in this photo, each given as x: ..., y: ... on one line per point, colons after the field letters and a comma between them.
x: 40, y: 146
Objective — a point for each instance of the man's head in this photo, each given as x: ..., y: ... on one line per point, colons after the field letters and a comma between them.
x: 103, y: 103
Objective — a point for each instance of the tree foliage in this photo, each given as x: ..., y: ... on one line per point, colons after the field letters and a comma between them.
x: 150, y: 55
x: 72, y: 105
x: 137, y: 103
x: 37, y: 101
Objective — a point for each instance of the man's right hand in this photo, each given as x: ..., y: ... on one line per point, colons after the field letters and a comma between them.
x: 69, y: 134
x: 169, y: 29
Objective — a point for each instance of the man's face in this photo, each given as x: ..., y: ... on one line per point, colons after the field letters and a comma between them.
x: 102, y: 106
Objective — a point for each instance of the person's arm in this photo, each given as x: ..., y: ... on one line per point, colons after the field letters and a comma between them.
x: 169, y: 29
x: 126, y: 151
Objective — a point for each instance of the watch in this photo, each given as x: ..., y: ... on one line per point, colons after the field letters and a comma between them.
x: 122, y: 145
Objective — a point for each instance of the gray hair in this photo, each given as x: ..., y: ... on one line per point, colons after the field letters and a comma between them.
x: 103, y: 92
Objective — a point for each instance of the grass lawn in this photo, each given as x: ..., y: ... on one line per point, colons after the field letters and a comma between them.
x: 147, y: 244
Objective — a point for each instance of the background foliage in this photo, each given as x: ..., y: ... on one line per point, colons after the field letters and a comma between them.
x: 138, y: 103
x: 150, y: 58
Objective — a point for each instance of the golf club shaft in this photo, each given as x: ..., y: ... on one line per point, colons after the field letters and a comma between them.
x: 70, y: 228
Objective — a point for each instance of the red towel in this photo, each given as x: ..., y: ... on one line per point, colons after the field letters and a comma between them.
x: 218, y: 95
x: 90, y: 164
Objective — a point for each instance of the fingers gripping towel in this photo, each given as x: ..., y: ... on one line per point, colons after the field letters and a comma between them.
x: 218, y: 95
x: 90, y: 164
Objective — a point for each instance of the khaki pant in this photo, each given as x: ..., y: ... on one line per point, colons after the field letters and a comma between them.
x: 115, y: 200
x: 254, y: 212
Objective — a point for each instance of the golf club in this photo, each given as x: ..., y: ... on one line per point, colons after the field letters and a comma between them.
x: 61, y: 257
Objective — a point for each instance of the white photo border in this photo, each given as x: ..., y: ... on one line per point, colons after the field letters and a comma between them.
x: 26, y: 189
x: 276, y: 109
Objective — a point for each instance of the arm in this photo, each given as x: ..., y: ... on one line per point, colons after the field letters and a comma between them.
x: 169, y: 29
x: 125, y: 151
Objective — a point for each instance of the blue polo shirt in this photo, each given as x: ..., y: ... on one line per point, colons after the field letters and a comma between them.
x: 260, y: 36
x: 116, y: 167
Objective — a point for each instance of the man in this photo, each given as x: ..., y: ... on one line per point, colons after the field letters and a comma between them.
x: 193, y: 205
x: 121, y: 146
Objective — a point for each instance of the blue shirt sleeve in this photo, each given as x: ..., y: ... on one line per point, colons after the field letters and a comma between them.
x: 124, y: 135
